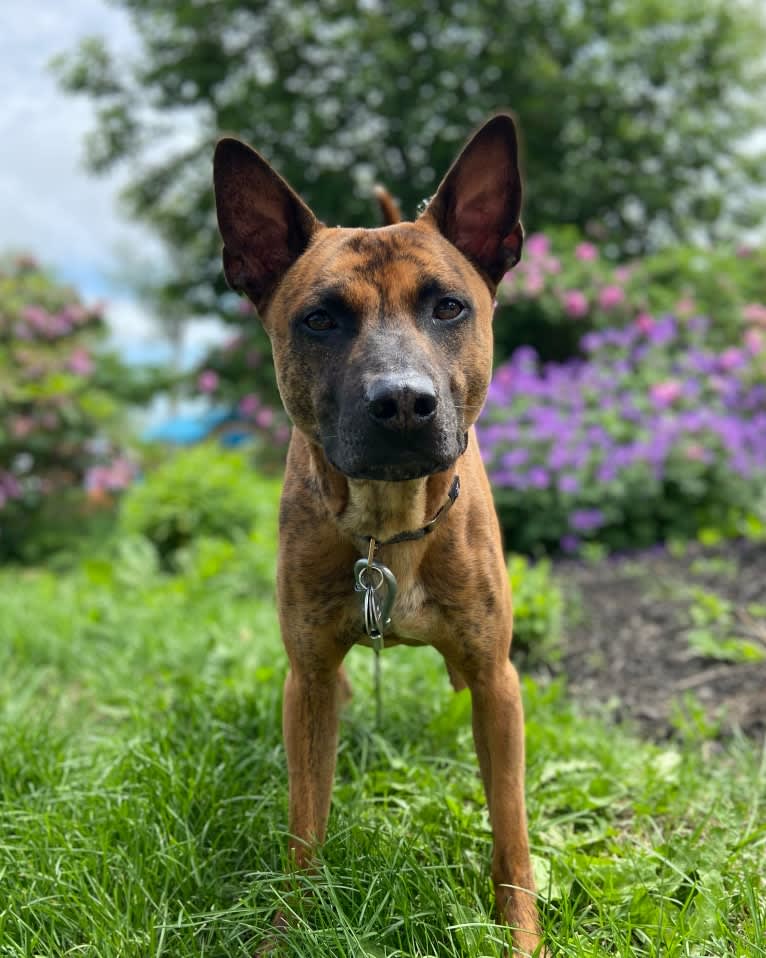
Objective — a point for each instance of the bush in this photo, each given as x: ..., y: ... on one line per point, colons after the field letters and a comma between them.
x: 199, y: 493
x: 653, y: 435
x: 239, y: 375
x: 60, y: 406
x: 564, y: 288
x: 538, y: 608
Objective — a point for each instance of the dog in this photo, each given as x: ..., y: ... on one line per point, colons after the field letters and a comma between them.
x: 382, y: 344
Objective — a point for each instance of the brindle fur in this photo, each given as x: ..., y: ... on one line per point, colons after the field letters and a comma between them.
x: 344, y: 479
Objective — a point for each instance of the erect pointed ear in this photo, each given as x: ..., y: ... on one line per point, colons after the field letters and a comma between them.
x: 265, y: 225
x: 478, y: 203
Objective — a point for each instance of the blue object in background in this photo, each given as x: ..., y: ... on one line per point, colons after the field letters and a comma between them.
x: 226, y: 424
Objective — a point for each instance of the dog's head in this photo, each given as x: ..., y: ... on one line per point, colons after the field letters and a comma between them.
x: 382, y: 338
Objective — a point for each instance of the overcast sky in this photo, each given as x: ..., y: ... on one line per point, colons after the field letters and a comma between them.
x: 49, y: 206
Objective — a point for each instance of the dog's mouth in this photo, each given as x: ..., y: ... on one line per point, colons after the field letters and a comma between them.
x: 395, y: 466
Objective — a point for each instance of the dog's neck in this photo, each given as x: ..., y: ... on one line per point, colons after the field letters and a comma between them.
x: 381, y: 509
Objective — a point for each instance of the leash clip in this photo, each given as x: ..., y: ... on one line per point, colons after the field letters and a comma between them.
x: 378, y: 584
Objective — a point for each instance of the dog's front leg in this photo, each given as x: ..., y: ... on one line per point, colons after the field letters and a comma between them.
x: 498, y: 728
x: 310, y: 721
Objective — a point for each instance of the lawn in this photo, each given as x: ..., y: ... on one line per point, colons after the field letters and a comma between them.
x: 143, y: 790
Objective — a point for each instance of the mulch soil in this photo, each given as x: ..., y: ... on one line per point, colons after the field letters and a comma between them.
x: 627, y: 642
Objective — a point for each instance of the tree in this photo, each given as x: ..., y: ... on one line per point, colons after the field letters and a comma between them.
x: 634, y: 114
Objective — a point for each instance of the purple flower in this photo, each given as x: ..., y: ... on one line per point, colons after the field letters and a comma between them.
x: 586, y: 520
x: 663, y: 331
x: 731, y: 358
x: 516, y: 457
x: 569, y: 483
x: 607, y: 472
x: 569, y: 543
x: 538, y: 477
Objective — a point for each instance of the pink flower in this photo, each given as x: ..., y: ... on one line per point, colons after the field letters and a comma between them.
x: 534, y: 283
x: 645, y: 322
x: 249, y: 404
x: 552, y: 264
x: 754, y: 341
x: 575, y: 303
x: 663, y: 394
x: 37, y: 317
x: 120, y: 474
x: 537, y: 244
x: 685, y: 306
x: 75, y: 314
x: 264, y: 417
x: 80, y: 362
x: 109, y: 478
x: 245, y: 307
x: 622, y: 274
x: 282, y: 434
x: 744, y: 251
x: 611, y: 296
x: 586, y: 252
x: 207, y: 381
x: 22, y: 426
x: 755, y: 313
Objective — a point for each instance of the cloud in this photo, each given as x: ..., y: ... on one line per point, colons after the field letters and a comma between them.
x: 49, y: 205
x: 139, y: 338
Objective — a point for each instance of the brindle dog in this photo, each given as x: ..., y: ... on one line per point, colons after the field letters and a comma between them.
x: 382, y: 342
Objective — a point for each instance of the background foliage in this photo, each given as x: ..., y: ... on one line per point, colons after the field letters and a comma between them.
x: 633, y: 115
x: 62, y: 409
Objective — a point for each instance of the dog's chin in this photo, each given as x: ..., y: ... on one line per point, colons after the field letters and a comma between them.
x: 393, y: 473
x: 396, y: 469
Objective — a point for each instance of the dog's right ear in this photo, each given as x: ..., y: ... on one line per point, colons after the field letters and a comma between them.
x: 265, y: 225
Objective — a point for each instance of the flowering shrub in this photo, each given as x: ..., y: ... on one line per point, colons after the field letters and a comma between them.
x: 565, y: 287
x: 240, y: 374
x: 638, y: 441
x: 57, y: 402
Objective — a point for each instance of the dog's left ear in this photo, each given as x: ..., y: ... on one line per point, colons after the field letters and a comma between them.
x: 478, y: 203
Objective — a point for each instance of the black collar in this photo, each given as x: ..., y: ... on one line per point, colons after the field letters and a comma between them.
x: 423, y: 531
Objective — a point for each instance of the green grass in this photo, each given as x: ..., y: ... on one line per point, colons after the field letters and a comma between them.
x: 143, y: 793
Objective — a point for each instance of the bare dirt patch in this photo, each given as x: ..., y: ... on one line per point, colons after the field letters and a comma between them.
x: 671, y: 642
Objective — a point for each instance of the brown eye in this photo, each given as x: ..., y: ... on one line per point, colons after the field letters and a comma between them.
x: 448, y: 308
x: 320, y: 321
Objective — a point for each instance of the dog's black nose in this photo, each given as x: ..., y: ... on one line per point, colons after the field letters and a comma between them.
x: 402, y: 404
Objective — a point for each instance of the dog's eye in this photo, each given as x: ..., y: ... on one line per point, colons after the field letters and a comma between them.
x: 448, y: 308
x: 320, y: 321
